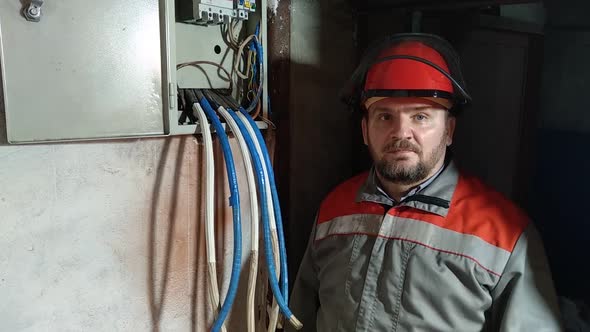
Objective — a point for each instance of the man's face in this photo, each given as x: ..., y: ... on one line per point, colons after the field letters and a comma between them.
x: 407, y: 138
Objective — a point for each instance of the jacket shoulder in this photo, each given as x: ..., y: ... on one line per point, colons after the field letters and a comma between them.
x: 478, y: 209
x: 341, y: 201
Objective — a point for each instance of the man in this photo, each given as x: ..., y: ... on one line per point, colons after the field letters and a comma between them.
x: 415, y: 244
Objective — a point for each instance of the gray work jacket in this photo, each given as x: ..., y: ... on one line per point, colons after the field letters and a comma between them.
x: 457, y: 256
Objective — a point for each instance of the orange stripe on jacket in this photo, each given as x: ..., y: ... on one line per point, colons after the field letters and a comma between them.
x: 477, y: 210
x: 342, y: 201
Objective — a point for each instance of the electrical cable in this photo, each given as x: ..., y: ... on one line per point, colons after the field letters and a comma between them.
x: 239, y: 57
x: 253, y: 215
x: 258, y: 107
x: 259, y: 57
x: 198, y: 64
x: 267, y: 236
x: 234, y: 201
x: 229, y: 37
x: 278, y: 293
x: 275, y: 198
x: 271, y: 203
x: 274, y: 312
x: 221, y: 99
x: 272, y: 220
x: 231, y: 29
x: 209, y: 208
x: 251, y: 67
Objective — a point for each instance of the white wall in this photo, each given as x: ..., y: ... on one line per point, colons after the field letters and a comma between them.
x: 83, y: 236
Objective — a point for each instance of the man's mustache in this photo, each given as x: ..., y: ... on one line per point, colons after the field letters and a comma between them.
x: 400, y: 145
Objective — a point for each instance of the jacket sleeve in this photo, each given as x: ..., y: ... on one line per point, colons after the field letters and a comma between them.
x: 304, y: 301
x: 524, y: 298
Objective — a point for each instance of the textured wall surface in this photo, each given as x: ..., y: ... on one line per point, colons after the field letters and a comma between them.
x: 322, y: 58
x: 109, y: 236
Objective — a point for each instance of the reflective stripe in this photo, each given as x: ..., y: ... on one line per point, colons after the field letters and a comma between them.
x: 352, y: 224
x: 489, y: 257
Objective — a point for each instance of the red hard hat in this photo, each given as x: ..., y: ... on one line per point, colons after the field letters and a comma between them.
x: 398, y: 77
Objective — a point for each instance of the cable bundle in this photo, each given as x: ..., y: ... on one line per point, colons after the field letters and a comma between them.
x: 204, y: 106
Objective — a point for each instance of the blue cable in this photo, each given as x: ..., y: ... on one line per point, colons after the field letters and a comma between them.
x: 277, y: 207
x: 260, y: 57
x: 234, y: 202
x: 257, y: 34
x: 256, y: 158
x: 254, y: 69
x: 253, y: 48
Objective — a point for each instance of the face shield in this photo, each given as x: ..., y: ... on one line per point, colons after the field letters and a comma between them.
x: 408, y: 65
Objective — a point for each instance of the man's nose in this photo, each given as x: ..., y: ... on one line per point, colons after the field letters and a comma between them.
x: 401, y: 128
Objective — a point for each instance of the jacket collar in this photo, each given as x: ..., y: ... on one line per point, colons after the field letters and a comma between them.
x: 434, y: 197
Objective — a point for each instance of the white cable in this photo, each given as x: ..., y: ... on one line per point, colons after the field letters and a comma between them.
x: 231, y: 32
x: 253, y: 215
x: 274, y: 309
x: 209, y: 209
x: 274, y: 312
x: 239, y: 57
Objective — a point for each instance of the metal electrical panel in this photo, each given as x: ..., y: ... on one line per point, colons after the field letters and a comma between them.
x: 85, y: 70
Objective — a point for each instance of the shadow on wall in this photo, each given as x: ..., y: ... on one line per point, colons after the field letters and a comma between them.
x: 325, y: 136
x: 3, y: 134
x: 321, y: 128
x: 157, y: 289
x: 177, y: 264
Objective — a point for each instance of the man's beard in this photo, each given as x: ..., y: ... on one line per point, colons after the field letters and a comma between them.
x: 407, y: 175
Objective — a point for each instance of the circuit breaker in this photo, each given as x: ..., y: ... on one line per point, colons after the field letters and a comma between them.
x: 86, y: 70
x: 211, y: 12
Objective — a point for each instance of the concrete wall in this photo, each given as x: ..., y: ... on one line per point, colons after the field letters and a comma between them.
x: 561, y: 184
x: 109, y: 236
x: 322, y: 58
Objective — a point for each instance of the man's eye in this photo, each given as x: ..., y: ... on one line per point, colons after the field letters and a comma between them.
x: 384, y: 117
x: 420, y: 117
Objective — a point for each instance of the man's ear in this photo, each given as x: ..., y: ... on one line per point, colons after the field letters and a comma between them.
x: 451, y: 122
x: 364, y: 127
